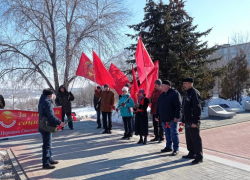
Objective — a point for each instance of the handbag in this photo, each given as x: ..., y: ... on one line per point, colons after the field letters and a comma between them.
x: 46, y: 126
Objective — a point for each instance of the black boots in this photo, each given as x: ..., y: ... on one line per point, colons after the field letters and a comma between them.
x: 145, y: 140
x: 48, y: 166
x: 140, y: 141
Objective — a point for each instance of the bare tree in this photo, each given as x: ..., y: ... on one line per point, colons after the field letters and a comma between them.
x: 41, y: 40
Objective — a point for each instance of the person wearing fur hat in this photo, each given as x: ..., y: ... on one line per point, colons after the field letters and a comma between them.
x: 158, y: 130
x: 169, y: 112
x: 107, y: 105
x: 45, y: 109
x: 125, y: 106
x: 141, y: 117
x: 64, y: 98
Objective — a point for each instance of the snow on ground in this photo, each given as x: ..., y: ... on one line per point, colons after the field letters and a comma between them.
x: 89, y: 112
x: 3, y: 174
x: 86, y: 112
x: 232, y: 104
x: 244, y: 99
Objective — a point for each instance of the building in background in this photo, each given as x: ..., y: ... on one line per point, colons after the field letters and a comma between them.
x: 228, y: 52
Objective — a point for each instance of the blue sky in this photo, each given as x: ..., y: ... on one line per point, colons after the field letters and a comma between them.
x: 226, y: 17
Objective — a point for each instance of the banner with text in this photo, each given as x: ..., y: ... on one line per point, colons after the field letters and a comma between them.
x: 18, y: 122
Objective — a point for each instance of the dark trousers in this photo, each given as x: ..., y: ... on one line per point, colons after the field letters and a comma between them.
x: 107, y: 120
x: 47, y: 144
x: 158, y: 130
x: 194, y: 142
x: 127, y: 121
x: 98, y: 112
x: 68, y: 114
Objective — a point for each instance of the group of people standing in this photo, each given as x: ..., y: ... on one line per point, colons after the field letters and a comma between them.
x: 168, y: 109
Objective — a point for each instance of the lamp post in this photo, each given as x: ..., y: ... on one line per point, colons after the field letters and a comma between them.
x: 97, y: 8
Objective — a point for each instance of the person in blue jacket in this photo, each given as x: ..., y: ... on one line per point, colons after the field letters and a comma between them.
x: 45, y: 109
x: 126, y: 105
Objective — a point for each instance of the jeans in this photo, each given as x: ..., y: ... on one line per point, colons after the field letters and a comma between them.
x: 171, y: 135
x: 127, y: 121
x: 107, y: 120
x: 47, y: 144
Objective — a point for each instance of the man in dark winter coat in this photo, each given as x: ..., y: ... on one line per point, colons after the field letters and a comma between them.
x: 64, y: 98
x: 158, y: 130
x: 191, y: 118
x: 169, y: 112
x: 45, y: 109
x: 2, y: 102
x: 107, y: 106
x: 97, y: 106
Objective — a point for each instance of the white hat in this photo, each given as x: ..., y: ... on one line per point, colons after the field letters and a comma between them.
x: 125, y: 89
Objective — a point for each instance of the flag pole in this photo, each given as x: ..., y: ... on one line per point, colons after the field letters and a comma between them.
x: 93, y: 66
x: 98, y: 24
x: 145, y: 67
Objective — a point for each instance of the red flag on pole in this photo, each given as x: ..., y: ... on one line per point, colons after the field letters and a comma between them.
x: 143, y: 61
x: 119, y: 77
x: 152, y: 76
x: 134, y: 88
x: 102, y: 76
x: 85, y: 68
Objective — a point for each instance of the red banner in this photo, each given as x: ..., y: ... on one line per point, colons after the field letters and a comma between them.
x: 18, y: 122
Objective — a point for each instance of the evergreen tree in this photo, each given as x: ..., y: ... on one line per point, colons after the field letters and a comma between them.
x: 236, y: 78
x: 170, y: 37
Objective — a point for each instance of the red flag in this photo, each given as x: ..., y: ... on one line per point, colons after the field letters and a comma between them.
x: 85, y: 68
x: 143, y: 61
x: 102, y: 76
x: 134, y: 88
x: 152, y: 76
x: 119, y: 77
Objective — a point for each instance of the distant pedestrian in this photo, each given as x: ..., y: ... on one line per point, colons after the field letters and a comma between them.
x: 45, y: 109
x: 158, y: 130
x: 107, y: 105
x: 191, y: 119
x: 141, y: 117
x: 169, y: 112
x: 97, y: 106
x: 126, y: 105
x: 2, y: 102
x: 64, y: 98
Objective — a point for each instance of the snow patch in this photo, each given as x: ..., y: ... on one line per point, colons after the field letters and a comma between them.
x: 244, y: 99
x: 86, y: 112
x: 215, y: 100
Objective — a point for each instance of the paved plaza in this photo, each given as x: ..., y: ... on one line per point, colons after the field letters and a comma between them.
x: 85, y: 153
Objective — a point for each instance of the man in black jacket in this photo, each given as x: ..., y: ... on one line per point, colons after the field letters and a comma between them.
x: 169, y: 112
x: 64, y: 98
x: 45, y: 109
x: 2, y: 102
x: 191, y: 119
x: 97, y: 106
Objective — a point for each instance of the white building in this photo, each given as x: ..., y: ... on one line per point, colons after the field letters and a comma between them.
x: 228, y: 52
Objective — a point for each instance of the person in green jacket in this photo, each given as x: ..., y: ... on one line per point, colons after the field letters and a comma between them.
x: 125, y: 106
